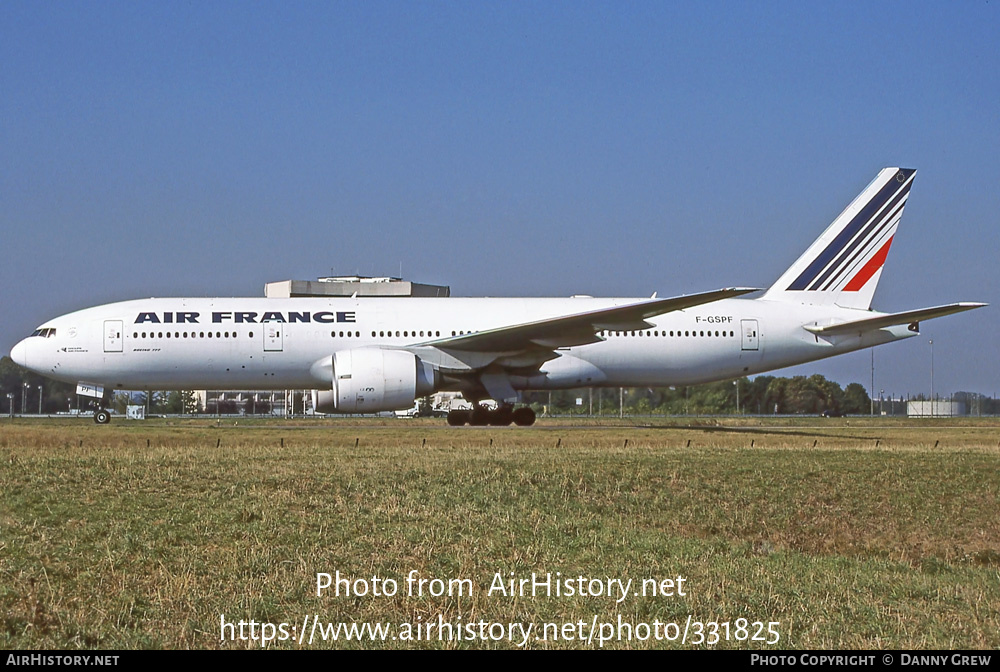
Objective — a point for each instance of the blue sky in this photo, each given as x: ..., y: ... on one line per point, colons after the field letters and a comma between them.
x: 515, y: 148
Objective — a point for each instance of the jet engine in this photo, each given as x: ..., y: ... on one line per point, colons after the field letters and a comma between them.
x: 369, y: 380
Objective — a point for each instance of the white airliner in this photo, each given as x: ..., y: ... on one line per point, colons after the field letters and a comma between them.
x: 364, y: 355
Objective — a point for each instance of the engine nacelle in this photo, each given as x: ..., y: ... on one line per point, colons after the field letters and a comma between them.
x: 369, y: 380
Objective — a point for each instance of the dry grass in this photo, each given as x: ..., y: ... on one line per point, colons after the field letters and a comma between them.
x: 852, y: 534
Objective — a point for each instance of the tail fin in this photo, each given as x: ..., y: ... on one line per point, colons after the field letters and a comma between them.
x: 844, y: 264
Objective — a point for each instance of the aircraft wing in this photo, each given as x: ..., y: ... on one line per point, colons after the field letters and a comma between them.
x: 910, y: 317
x: 579, y: 328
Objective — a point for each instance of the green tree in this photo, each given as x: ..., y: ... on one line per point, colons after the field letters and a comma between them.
x: 774, y: 400
x: 856, y: 399
x: 754, y: 399
x: 119, y: 402
x: 830, y: 394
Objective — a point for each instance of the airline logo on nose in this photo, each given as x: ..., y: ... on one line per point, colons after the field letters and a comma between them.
x: 247, y: 317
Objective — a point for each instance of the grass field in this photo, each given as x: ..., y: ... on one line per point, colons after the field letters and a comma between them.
x: 848, y: 533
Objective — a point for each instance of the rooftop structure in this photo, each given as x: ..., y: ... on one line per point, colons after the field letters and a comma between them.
x: 350, y: 285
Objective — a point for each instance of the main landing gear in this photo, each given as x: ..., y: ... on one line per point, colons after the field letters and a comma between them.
x: 480, y: 416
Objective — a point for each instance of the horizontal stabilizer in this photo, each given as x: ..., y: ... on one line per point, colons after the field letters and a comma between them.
x: 881, y: 321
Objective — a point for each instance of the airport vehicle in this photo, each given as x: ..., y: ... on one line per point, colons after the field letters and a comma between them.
x: 366, y: 355
x: 438, y: 405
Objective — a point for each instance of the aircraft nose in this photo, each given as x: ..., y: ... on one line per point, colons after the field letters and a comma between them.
x: 19, y: 354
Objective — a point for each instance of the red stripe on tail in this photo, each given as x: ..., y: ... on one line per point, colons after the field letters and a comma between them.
x: 869, y: 269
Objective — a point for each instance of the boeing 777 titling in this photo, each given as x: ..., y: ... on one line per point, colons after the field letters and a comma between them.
x: 365, y: 355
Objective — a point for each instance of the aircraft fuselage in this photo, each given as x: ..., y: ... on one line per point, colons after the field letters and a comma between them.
x: 257, y: 343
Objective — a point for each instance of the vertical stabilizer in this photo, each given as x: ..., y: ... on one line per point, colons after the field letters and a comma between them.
x: 843, y: 266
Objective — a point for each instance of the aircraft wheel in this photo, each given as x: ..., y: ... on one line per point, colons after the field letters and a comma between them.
x: 458, y: 418
x: 502, y: 417
x: 479, y: 417
x: 102, y: 417
x: 524, y: 417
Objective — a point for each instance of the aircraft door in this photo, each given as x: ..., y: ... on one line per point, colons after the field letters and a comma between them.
x: 112, y: 336
x: 273, y: 336
x: 751, y: 339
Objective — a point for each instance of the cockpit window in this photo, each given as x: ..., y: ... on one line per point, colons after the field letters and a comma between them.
x: 44, y: 333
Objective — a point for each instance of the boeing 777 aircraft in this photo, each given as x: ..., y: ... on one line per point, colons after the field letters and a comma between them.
x: 364, y: 355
